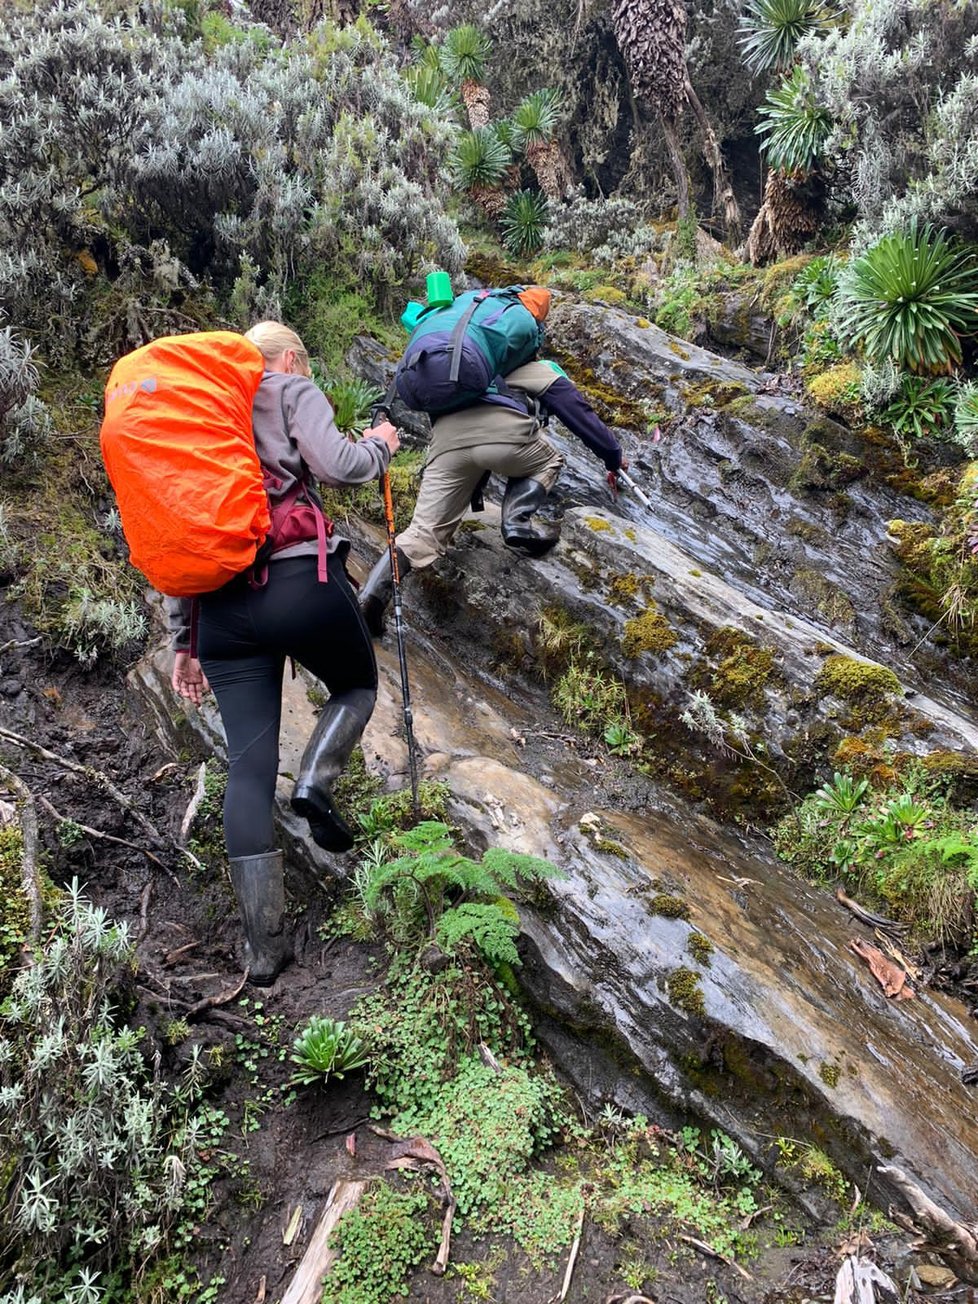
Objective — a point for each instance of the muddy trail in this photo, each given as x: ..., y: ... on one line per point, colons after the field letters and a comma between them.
x: 281, y: 1150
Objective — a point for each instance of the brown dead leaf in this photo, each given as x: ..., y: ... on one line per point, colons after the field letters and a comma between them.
x: 887, y: 973
x: 416, y: 1147
x: 934, y: 1277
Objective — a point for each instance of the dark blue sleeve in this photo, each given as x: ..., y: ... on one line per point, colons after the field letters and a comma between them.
x: 566, y: 401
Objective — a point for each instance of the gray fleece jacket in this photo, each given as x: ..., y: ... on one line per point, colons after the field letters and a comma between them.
x: 295, y: 434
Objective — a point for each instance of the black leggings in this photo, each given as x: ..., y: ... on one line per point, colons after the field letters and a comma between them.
x: 244, y: 638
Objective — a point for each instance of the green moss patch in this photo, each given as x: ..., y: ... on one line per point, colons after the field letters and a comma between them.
x: 14, y: 910
x: 700, y: 948
x: 736, y: 668
x: 683, y: 986
x: 611, y: 405
x: 856, y: 681
x: 820, y: 469
x: 672, y: 907
x: 713, y: 393
x: 650, y: 632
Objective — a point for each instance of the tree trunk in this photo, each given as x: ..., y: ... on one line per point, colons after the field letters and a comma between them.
x: 679, y: 170
x: 722, y: 189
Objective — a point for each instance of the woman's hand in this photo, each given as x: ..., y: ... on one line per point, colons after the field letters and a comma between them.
x: 189, y: 680
x: 388, y: 433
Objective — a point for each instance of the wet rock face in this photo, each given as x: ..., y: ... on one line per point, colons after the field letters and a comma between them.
x: 788, y: 505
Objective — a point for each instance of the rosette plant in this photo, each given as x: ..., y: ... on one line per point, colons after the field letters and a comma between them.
x: 326, y: 1048
x: 771, y: 29
x: 911, y: 298
x: 523, y: 221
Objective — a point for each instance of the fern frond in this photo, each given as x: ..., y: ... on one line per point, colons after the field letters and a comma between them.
x: 511, y: 866
x: 485, y: 926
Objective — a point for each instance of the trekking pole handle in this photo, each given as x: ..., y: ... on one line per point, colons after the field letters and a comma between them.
x: 640, y: 494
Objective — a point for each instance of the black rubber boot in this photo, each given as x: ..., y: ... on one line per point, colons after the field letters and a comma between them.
x: 522, y: 498
x: 377, y: 591
x: 259, y: 886
x: 337, y: 732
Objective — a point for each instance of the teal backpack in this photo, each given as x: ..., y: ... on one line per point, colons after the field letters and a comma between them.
x: 457, y: 355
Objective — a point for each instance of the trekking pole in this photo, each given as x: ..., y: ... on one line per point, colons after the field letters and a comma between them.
x: 640, y: 494
x: 385, y: 488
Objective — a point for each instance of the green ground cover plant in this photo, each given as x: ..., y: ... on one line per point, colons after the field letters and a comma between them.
x: 901, y: 845
x: 379, y: 1244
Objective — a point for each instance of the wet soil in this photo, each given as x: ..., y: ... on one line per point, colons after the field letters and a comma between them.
x: 283, y: 1150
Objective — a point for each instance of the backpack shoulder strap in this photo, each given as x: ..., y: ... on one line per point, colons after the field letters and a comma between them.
x: 458, y: 334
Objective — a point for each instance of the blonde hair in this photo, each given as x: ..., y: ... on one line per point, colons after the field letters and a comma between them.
x: 272, y: 338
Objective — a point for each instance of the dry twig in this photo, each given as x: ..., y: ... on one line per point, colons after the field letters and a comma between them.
x: 953, y: 1242
x: 572, y: 1258
x: 193, y: 806
x: 105, y: 837
x: 220, y: 998
x: 715, y: 1254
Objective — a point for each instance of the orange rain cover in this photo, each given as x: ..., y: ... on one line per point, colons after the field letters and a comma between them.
x: 178, y: 446
x: 537, y: 299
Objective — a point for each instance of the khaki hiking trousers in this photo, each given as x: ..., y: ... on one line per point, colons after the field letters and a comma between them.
x: 449, y: 481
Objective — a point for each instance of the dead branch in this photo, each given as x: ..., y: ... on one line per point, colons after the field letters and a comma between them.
x: 183, y: 1006
x: 105, y: 837
x: 572, y: 1258
x: 715, y: 1254
x: 857, y: 1279
x: 92, y: 775
x: 172, y: 957
x: 13, y: 642
x: 306, y: 1286
x: 953, y: 1242
x: 221, y: 998
x: 29, y: 859
x: 488, y: 1058
x: 144, y: 901
x: 441, y: 1258
x: 193, y: 806
x: 418, y: 1153
x: 867, y: 916
x: 629, y: 1299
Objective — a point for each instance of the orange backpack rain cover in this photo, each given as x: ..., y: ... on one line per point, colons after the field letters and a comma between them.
x: 178, y: 446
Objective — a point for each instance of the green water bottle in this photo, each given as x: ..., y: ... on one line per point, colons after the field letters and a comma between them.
x: 439, y: 286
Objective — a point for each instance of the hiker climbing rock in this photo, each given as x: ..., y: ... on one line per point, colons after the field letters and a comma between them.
x: 484, y: 426
x: 293, y: 600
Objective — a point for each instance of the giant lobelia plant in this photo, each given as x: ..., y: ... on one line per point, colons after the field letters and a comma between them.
x: 910, y: 298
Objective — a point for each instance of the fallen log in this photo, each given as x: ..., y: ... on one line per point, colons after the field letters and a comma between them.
x: 306, y: 1286
x: 953, y: 1242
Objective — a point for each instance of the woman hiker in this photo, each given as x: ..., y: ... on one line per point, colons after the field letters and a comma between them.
x: 250, y: 627
x: 501, y: 434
